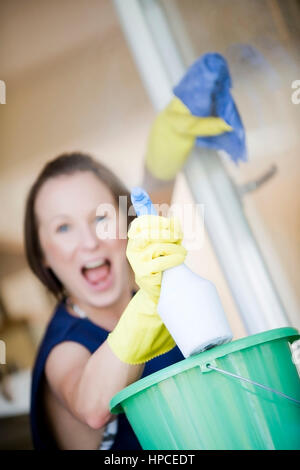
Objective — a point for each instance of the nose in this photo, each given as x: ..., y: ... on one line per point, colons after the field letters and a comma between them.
x: 89, y: 239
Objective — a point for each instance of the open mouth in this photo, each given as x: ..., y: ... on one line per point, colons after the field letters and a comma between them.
x: 98, y: 273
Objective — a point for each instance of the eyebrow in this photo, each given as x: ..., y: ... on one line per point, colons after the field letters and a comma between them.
x: 59, y: 216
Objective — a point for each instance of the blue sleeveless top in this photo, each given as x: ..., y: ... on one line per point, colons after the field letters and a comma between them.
x: 66, y: 327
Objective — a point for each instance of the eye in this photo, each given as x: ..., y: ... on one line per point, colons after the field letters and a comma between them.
x: 99, y: 218
x: 63, y: 228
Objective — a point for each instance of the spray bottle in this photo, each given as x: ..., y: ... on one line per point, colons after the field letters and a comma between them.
x: 189, y: 305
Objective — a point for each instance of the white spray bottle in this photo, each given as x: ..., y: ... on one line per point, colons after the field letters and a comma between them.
x: 189, y: 305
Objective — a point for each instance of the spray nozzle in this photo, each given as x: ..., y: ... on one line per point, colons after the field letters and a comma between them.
x: 141, y: 202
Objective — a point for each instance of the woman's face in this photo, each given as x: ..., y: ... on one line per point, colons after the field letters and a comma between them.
x: 93, y: 270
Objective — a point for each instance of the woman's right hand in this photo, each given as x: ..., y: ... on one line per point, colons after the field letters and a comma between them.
x: 154, y: 245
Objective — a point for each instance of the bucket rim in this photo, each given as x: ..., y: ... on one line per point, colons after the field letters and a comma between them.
x: 200, y: 359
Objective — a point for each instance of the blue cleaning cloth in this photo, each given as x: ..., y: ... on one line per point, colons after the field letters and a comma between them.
x: 205, y: 90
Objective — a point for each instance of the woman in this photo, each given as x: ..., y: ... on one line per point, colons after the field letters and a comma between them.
x: 76, y: 371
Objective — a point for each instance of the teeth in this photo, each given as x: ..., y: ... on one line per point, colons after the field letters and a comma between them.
x: 94, y: 264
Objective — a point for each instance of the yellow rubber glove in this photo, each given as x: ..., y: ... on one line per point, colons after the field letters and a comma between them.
x: 173, y: 135
x: 140, y: 334
x: 154, y: 245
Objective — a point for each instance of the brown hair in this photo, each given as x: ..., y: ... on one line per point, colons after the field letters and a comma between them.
x: 65, y: 164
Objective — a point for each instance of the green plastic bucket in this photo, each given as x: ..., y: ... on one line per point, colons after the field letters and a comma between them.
x: 196, y: 404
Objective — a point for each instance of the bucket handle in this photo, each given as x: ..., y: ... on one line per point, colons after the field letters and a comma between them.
x: 222, y: 371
